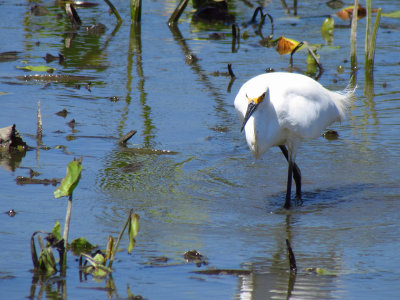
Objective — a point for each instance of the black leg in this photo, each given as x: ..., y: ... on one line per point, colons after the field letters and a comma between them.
x: 296, y: 172
x: 289, y: 184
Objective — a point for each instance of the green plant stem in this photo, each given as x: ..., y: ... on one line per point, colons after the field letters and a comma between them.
x: 136, y: 11
x: 353, y: 36
x: 367, y: 29
x: 114, y: 10
x: 119, y: 239
x: 177, y: 12
x: 371, y: 52
x: 66, y: 231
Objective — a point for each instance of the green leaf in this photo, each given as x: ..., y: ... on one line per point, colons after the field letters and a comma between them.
x: 327, y: 29
x: 393, y: 14
x: 100, y: 259
x: 56, y: 231
x: 71, y: 179
x: 100, y: 273
x: 81, y: 245
x: 47, y: 262
x: 321, y: 271
x: 97, y: 268
x: 133, y: 230
x: 37, y: 68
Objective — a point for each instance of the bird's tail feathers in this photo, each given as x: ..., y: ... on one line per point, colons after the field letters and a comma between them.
x: 344, y: 100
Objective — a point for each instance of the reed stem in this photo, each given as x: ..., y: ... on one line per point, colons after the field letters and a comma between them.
x: 353, y: 37
x: 136, y: 11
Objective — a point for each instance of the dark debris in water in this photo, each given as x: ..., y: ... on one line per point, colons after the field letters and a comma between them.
x: 213, y: 12
x: 218, y: 73
x: 62, y: 113
x: 49, y: 58
x: 233, y: 272
x: 335, y: 4
x: 11, y: 213
x: 132, y: 168
x: 191, y: 59
x: 97, y: 29
x: 22, y: 180
x: 85, y: 4
x: 114, y: 99
x: 39, y: 10
x: 196, y: 257
x: 220, y: 128
x: 9, y: 56
x: 331, y: 135
x: 143, y: 151
x: 217, y: 36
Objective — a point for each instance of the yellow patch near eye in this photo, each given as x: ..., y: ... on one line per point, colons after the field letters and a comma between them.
x: 257, y: 100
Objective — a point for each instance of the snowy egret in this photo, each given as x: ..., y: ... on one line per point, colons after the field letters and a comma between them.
x: 283, y: 109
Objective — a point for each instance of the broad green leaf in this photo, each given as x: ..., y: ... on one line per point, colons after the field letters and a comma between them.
x: 393, y: 14
x: 100, y: 273
x: 133, y: 230
x: 311, y: 64
x: 99, y: 259
x: 327, y: 29
x: 70, y: 180
x: 37, y: 68
x: 81, y: 245
x: 96, y: 268
x: 56, y: 231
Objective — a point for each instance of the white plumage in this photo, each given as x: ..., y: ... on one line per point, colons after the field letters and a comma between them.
x: 284, y: 109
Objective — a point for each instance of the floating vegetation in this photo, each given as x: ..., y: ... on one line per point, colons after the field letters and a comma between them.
x: 37, y: 68
x: 56, y: 78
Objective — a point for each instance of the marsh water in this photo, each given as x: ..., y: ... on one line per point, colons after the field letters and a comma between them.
x: 188, y: 172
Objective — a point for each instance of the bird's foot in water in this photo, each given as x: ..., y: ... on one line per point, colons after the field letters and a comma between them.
x: 298, y: 201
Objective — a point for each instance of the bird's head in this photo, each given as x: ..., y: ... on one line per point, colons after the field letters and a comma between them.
x: 252, y: 105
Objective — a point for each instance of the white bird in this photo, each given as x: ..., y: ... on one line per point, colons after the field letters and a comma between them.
x: 283, y: 109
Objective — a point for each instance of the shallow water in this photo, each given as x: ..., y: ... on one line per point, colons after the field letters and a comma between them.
x: 209, y: 194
